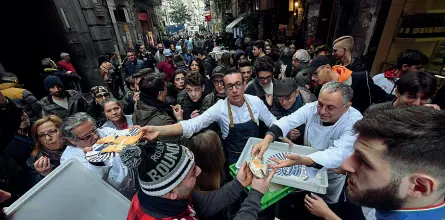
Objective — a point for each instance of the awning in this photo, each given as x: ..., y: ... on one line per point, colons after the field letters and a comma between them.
x: 229, y: 28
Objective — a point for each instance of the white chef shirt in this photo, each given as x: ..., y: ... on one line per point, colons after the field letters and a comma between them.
x: 338, y: 138
x: 219, y: 113
x: 384, y: 83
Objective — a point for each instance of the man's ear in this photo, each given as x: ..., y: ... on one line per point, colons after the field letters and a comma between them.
x: 422, y: 185
x: 404, y: 67
x: 397, y: 93
x: 347, y: 106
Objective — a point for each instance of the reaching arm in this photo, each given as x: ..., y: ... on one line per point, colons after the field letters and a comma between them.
x: 336, y: 153
x: 265, y: 115
x: 285, y: 124
x: 251, y: 206
x: 209, y: 204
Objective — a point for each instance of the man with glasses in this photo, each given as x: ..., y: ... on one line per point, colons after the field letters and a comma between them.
x: 238, y: 117
x: 263, y: 85
x: 366, y: 92
x: 288, y: 99
x: 329, y: 129
x: 81, y: 133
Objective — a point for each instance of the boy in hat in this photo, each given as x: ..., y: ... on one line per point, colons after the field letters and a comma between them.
x: 167, y: 176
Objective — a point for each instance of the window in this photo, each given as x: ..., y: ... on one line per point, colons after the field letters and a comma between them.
x: 119, y: 14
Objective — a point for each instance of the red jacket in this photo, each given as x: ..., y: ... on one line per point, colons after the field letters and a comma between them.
x: 136, y: 212
x: 67, y: 66
x: 168, y: 69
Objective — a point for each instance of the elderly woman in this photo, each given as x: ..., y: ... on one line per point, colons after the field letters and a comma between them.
x: 49, y: 147
x: 116, y: 118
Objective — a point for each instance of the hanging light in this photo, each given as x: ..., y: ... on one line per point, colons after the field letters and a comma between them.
x: 296, y: 4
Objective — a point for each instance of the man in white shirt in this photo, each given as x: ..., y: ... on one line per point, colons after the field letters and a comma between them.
x: 81, y: 132
x: 407, y: 62
x: 329, y: 129
x: 237, y: 115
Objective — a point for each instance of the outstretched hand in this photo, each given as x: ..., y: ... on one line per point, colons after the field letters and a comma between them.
x: 150, y: 133
x: 291, y: 160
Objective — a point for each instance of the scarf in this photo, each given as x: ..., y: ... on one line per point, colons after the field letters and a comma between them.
x: 390, y: 74
x: 298, y: 104
x: 162, y: 207
x: 344, y: 72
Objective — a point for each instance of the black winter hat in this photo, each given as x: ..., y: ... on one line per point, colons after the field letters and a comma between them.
x: 161, y: 166
x: 51, y: 81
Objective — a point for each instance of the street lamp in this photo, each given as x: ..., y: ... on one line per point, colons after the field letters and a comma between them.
x: 296, y: 4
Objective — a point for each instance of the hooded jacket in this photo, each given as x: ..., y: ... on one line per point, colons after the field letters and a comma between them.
x: 76, y: 103
x: 19, y: 95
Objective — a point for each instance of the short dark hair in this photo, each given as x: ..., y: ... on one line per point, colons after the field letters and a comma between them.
x: 152, y: 84
x: 265, y: 64
x: 410, y: 58
x: 244, y: 63
x: 412, y: 83
x: 414, y: 138
x: 129, y: 81
x: 102, y: 59
x: 179, y: 71
x: 259, y: 44
x: 197, y: 51
x: 142, y: 72
x: 194, y: 78
x: 234, y: 71
x: 129, y: 50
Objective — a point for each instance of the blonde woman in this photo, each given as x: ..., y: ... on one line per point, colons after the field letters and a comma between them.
x: 49, y: 146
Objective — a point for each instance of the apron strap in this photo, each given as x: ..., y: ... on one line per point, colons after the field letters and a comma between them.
x: 229, y: 109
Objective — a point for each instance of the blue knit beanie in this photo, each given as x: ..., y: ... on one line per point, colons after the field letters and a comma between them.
x: 50, y: 81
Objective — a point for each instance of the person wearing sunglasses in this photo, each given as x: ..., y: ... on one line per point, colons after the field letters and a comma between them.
x: 99, y: 94
x: 263, y: 85
x: 81, y: 133
x: 329, y: 129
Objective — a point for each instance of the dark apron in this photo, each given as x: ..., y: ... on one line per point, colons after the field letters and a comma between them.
x: 238, y: 135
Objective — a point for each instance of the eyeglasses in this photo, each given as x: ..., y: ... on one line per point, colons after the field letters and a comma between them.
x: 218, y: 82
x: 328, y: 108
x: 102, y: 95
x: 88, y: 136
x: 50, y: 133
x: 238, y: 85
x: 265, y: 78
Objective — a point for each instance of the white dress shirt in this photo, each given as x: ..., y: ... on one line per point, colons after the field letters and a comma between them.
x: 219, y: 113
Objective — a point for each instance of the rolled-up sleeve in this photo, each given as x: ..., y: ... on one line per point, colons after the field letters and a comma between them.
x: 337, y: 152
x: 295, y: 119
x: 191, y: 126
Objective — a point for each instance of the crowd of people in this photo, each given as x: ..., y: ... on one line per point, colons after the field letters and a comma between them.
x: 380, y: 138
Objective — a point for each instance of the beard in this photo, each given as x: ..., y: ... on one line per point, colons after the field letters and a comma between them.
x: 385, y: 198
x: 59, y: 94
